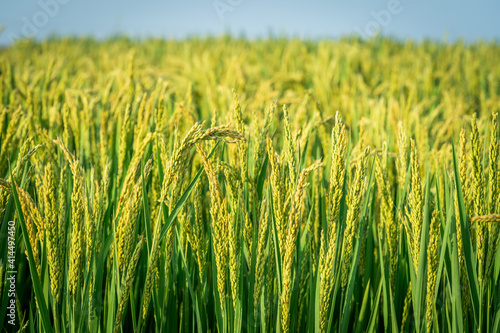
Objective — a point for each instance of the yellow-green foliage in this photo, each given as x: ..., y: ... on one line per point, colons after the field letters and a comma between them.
x: 229, y: 185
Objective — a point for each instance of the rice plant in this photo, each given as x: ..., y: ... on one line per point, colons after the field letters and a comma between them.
x: 227, y: 185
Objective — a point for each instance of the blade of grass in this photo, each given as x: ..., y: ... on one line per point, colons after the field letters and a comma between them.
x: 190, y: 286
x: 466, y: 242
x: 455, y: 281
x: 262, y: 177
x: 42, y: 305
x: 357, y: 249
x: 419, y: 287
x: 374, y: 315
x: 173, y: 214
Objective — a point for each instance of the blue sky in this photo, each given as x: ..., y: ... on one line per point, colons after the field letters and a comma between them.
x: 403, y: 19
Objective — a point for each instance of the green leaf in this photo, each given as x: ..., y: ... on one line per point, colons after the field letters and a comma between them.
x: 469, y: 255
x: 190, y: 286
x: 364, y: 306
x: 262, y: 177
x: 387, y: 292
x: 173, y: 214
x: 419, y: 288
x: 42, y: 305
x: 374, y: 316
x: 455, y: 281
x: 354, y: 265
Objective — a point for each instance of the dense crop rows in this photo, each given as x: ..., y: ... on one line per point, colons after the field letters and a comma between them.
x: 212, y: 185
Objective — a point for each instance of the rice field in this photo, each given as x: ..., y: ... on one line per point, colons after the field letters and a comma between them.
x: 227, y: 185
